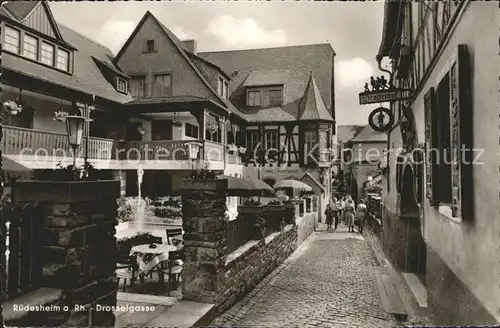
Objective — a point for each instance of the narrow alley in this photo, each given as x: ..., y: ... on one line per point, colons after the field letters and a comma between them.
x: 329, y: 281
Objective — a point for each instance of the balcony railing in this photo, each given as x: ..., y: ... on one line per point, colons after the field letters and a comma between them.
x: 26, y: 142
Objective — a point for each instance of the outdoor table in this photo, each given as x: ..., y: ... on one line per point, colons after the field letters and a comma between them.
x: 148, y: 258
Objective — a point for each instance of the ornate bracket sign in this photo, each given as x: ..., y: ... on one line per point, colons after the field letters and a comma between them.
x: 381, y: 119
x: 382, y: 91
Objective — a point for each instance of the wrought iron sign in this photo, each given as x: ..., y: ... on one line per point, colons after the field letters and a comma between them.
x: 381, y: 119
x: 382, y: 91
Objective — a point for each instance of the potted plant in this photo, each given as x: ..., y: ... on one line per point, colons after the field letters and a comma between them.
x: 231, y: 148
x: 251, y: 206
x: 14, y: 107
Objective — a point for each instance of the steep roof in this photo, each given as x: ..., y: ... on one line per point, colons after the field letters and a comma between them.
x: 370, y: 135
x: 20, y: 9
x: 312, y: 106
x: 291, y: 64
x: 184, y: 53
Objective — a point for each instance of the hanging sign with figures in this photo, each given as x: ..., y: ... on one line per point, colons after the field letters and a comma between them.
x: 381, y: 119
x: 382, y: 91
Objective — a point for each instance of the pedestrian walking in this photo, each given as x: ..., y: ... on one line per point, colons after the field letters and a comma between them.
x: 349, y: 215
x: 329, y: 217
x: 337, y: 209
x: 361, y: 215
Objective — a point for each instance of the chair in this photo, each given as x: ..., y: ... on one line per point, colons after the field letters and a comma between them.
x: 172, y: 233
x: 126, y: 269
x: 173, y: 269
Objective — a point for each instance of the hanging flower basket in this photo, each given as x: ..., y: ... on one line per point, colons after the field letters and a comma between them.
x: 13, y: 107
x: 60, y: 115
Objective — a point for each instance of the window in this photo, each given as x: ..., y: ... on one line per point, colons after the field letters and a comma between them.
x: 150, y: 46
x: 47, y: 54
x: 163, y: 85
x: 224, y: 90
x: 12, y: 41
x: 63, y: 60
x: 271, y: 139
x: 220, y: 86
x: 191, y: 130
x: 275, y: 97
x: 253, y: 98
x: 121, y: 86
x: 138, y: 86
x: 443, y: 140
x: 252, y: 140
x: 30, y: 47
x: 310, y: 140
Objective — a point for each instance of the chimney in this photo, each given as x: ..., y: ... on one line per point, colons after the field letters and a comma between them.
x: 190, y: 46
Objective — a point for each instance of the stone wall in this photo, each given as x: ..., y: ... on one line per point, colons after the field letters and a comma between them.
x: 79, y: 251
x: 306, y: 226
x: 248, y: 265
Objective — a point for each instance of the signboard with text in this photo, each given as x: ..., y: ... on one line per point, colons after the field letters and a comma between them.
x: 380, y: 96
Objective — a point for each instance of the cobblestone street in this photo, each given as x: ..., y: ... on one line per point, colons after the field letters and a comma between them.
x: 329, y: 282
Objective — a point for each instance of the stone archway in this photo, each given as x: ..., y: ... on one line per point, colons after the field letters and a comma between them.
x: 415, y: 248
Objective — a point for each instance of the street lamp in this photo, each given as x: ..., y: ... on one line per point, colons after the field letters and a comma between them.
x: 194, y: 150
x: 74, y: 130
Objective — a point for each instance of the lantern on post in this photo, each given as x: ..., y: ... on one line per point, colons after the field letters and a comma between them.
x: 74, y: 130
x: 194, y: 150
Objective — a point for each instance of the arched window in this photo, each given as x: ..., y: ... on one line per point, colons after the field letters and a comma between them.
x: 270, y: 181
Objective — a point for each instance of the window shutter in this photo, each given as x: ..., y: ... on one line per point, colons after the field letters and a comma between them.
x: 461, y: 134
x: 431, y: 147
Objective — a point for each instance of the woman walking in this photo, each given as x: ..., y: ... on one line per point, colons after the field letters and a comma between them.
x: 349, y: 215
x: 329, y: 217
x: 360, y: 215
x: 337, y: 208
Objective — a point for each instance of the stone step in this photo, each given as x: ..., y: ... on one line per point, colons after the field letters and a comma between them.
x: 389, y: 296
x: 417, y: 288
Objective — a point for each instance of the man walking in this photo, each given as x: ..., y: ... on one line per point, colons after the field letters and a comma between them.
x: 336, y: 207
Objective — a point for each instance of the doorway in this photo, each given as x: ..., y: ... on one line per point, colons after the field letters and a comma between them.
x: 416, y: 250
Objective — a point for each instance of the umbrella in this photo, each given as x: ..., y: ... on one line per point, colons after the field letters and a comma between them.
x: 261, y: 186
x: 238, y: 187
x: 293, y: 184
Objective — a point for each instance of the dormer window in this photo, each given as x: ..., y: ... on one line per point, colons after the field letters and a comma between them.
x: 12, y: 40
x: 30, y: 47
x: 62, y: 60
x: 121, y: 85
x: 150, y: 46
x: 265, y: 96
x: 47, y: 54
x: 222, y: 88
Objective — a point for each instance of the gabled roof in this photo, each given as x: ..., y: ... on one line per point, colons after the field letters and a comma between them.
x: 86, y: 77
x: 297, y: 61
x: 22, y: 10
x: 369, y: 135
x: 312, y: 106
x: 183, y: 51
x: 346, y: 133
x: 272, y: 114
x: 309, y: 176
x: 265, y: 78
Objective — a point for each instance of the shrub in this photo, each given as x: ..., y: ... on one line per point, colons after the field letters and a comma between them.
x: 124, y: 245
x: 168, y: 212
x: 128, y: 208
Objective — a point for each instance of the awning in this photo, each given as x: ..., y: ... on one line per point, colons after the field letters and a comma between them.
x: 393, y: 26
x: 13, y: 165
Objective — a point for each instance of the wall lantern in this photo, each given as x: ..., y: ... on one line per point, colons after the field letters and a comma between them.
x: 74, y: 130
x: 140, y: 129
x: 194, y: 150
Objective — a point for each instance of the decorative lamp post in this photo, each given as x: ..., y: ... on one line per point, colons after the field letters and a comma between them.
x: 74, y: 129
x: 212, y: 126
x: 194, y: 150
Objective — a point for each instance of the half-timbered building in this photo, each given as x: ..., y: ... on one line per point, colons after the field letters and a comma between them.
x: 441, y: 217
x: 266, y: 113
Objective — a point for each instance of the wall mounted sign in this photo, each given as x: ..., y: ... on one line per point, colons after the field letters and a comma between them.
x: 382, y: 91
x: 381, y: 119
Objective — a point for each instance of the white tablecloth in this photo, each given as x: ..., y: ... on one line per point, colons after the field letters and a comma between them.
x: 148, y: 257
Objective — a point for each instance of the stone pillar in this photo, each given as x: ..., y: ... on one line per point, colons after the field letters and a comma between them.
x: 121, y: 176
x: 79, y: 247
x: 204, y: 223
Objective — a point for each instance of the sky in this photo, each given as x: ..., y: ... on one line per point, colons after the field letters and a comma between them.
x: 354, y: 30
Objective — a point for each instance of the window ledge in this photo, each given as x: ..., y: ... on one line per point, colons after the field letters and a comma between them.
x: 445, y: 210
x: 39, y: 297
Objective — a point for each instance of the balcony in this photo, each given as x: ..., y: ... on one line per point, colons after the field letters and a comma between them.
x: 44, y: 150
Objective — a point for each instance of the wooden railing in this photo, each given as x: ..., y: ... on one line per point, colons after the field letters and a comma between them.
x: 21, y: 141
x: 238, y: 232
x: 24, y: 256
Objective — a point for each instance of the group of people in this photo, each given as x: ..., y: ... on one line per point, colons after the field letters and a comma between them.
x: 346, y: 210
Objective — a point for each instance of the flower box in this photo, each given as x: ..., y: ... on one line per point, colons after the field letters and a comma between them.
x: 273, y: 208
x: 245, y: 209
